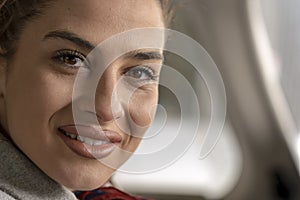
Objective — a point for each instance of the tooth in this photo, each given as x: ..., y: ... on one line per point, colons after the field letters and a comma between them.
x: 89, y: 141
x: 79, y: 138
x: 99, y: 142
x: 86, y: 140
x: 73, y: 136
x: 70, y: 135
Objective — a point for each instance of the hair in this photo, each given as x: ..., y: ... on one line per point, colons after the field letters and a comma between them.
x: 15, y: 13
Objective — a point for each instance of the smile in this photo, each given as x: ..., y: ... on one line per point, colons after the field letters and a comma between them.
x: 85, y: 140
x: 89, y: 142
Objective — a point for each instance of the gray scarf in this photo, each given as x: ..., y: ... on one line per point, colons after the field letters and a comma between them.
x: 21, y: 179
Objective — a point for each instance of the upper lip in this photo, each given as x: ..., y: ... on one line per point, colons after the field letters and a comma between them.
x: 92, y: 132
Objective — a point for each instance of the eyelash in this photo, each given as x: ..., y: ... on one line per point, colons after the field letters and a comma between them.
x: 144, y: 69
x: 68, y: 53
x: 64, y: 53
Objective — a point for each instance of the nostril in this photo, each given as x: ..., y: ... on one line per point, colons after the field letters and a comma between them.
x: 118, y: 114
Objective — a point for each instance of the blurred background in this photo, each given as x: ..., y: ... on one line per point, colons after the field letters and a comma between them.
x: 256, y: 46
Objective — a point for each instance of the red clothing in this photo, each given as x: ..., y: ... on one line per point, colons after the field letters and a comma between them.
x: 105, y: 193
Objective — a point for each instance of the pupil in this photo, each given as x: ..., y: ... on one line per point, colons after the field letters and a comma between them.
x: 137, y: 74
x: 70, y: 60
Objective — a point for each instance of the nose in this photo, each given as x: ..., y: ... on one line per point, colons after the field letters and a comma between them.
x: 107, y: 103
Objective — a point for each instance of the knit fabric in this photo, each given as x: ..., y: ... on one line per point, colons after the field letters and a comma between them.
x: 21, y: 179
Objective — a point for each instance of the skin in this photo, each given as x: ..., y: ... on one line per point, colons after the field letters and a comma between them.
x: 36, y: 90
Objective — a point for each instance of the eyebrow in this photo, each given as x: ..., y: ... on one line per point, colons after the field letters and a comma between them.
x: 66, y: 35
x: 145, y: 55
x: 72, y: 37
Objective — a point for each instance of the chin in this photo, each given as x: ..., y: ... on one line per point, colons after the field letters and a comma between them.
x: 84, y: 184
x: 84, y: 180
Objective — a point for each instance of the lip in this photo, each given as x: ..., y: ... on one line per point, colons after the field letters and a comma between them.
x: 107, y: 140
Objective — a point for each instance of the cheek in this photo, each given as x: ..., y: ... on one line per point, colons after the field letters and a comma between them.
x: 142, y: 107
x: 33, y: 97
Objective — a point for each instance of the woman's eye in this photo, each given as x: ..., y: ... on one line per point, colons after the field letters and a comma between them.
x: 141, y: 73
x: 70, y: 58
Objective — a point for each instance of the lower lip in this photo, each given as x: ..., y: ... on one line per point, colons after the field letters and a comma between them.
x: 86, y: 150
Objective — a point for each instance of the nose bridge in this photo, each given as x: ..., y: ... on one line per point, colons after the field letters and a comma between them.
x: 107, y: 104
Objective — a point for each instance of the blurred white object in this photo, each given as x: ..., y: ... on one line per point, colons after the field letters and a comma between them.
x: 275, y: 32
x: 213, y: 177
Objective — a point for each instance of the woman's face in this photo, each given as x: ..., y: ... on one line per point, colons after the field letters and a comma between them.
x: 37, y: 108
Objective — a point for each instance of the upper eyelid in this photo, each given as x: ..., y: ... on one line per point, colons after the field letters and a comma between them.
x: 62, y: 52
x: 57, y: 55
x: 154, y: 74
x: 139, y: 66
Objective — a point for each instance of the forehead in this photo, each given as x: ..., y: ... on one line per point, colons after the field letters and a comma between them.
x: 99, y: 19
